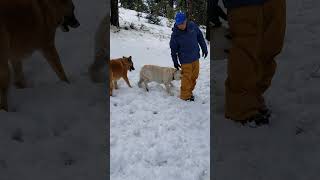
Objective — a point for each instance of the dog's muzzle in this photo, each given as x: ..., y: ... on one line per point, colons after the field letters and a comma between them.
x: 132, y: 68
x: 69, y: 21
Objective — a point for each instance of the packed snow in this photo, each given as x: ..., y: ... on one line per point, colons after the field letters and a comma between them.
x: 154, y: 135
x: 289, y: 147
x: 56, y: 130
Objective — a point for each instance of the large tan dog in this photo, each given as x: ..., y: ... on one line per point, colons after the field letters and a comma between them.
x: 119, y: 69
x: 162, y: 75
x: 28, y: 26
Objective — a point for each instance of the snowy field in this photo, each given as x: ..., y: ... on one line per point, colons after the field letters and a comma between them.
x: 153, y: 135
x: 55, y: 130
x: 289, y: 147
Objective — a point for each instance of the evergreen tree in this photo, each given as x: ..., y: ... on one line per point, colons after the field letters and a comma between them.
x: 114, y: 13
x: 198, y: 11
x: 128, y: 4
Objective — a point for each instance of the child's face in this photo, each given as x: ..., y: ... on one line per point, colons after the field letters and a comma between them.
x: 183, y: 26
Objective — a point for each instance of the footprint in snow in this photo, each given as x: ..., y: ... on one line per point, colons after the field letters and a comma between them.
x: 137, y: 133
x: 299, y: 130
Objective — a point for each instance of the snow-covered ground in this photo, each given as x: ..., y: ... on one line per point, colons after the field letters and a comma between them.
x: 289, y: 147
x: 61, y: 126
x: 153, y: 135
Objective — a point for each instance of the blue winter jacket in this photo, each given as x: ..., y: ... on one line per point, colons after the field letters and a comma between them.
x: 237, y: 3
x: 185, y: 44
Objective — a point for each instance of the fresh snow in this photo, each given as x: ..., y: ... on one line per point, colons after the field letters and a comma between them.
x: 154, y: 135
x: 289, y: 147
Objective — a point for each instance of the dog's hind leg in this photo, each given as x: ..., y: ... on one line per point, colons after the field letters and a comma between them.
x: 140, y: 83
x: 146, y: 85
x: 52, y: 56
x: 168, y: 89
x: 115, y: 84
x: 111, y: 88
x: 19, y: 80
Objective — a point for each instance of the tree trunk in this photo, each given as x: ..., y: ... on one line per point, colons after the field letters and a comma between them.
x: 189, y: 9
x: 114, y: 13
x: 209, y: 14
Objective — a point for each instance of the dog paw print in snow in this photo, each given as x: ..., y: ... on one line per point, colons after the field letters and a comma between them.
x: 131, y: 112
x: 316, y: 73
x: 137, y: 133
x: 67, y: 159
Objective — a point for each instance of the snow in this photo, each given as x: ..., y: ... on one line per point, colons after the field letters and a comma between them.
x: 154, y: 135
x: 59, y: 123
x: 288, y: 148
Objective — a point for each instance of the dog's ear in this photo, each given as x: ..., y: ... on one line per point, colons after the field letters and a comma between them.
x: 130, y: 59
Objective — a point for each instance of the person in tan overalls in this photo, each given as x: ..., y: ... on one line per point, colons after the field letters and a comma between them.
x: 185, y: 40
x: 257, y: 29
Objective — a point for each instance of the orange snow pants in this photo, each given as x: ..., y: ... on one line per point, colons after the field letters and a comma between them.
x: 257, y: 38
x: 190, y: 74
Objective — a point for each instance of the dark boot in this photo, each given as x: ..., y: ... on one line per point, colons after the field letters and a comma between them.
x: 190, y: 99
x: 255, y: 121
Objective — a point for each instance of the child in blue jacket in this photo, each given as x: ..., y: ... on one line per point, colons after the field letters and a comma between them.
x: 185, y: 40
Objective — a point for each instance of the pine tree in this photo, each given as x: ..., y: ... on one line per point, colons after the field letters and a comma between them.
x: 128, y: 4
x: 197, y: 11
x: 153, y: 12
x: 114, y: 13
x: 140, y: 6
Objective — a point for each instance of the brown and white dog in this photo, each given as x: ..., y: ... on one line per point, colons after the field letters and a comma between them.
x: 161, y: 75
x: 119, y: 69
x: 28, y: 26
